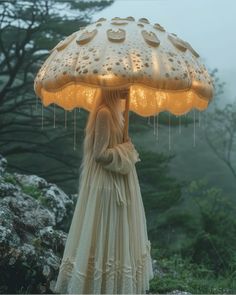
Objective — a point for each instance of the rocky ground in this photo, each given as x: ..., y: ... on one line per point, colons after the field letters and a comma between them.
x: 32, y: 215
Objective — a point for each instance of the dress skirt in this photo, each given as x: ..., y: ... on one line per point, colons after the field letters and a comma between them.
x: 107, y: 250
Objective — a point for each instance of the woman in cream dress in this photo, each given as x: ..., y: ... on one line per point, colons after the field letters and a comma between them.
x: 107, y: 248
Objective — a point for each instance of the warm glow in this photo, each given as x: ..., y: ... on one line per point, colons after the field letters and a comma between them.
x: 144, y: 101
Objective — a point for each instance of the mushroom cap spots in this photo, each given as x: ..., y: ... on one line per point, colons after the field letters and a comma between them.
x: 159, y: 27
x: 190, y: 48
x: 101, y: 19
x: 116, y: 36
x: 62, y: 44
x: 151, y: 38
x: 144, y: 20
x: 177, y: 42
x: 116, y: 23
x: 86, y: 37
x: 129, y: 18
x: 122, y: 51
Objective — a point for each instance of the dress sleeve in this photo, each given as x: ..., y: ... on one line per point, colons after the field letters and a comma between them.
x: 119, y: 158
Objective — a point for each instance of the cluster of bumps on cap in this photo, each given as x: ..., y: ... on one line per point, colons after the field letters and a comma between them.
x: 165, y: 56
x: 119, y: 35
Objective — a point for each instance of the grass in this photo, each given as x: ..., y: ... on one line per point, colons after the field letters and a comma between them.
x: 180, y: 274
x: 10, y: 178
x: 35, y: 193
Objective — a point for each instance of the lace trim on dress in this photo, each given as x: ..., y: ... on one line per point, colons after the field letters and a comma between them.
x: 112, y: 267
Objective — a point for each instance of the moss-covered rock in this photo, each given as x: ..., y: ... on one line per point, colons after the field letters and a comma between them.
x: 32, y: 239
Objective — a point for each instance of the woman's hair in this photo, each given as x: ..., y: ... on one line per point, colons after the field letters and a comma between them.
x: 112, y: 99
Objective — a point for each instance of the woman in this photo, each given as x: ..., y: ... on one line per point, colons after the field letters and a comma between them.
x: 107, y: 248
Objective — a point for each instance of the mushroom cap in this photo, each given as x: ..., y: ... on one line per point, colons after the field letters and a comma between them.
x: 163, y: 72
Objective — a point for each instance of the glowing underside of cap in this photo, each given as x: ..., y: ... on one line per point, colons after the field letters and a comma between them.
x: 144, y: 101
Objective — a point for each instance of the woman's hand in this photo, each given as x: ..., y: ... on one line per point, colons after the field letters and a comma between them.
x: 130, y: 145
x: 135, y: 152
x: 128, y: 140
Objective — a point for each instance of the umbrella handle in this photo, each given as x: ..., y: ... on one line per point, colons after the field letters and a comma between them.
x: 126, y: 125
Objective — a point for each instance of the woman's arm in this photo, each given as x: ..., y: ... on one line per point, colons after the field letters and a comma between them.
x: 119, y: 158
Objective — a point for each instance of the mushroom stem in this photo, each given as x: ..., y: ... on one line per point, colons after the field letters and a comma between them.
x: 126, y: 125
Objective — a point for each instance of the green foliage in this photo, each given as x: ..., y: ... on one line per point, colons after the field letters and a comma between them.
x: 8, y: 177
x: 93, y: 6
x: 166, y: 118
x: 177, y: 273
x: 221, y: 132
x: 29, y: 30
x: 215, y: 242
x: 31, y: 190
x: 34, y: 192
x: 140, y: 124
x: 206, y: 261
x: 159, y: 190
x: 174, y: 231
x: 163, y: 203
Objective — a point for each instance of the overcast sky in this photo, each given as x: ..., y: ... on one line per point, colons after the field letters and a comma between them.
x: 208, y: 25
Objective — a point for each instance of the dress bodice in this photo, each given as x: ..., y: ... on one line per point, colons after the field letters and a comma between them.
x: 109, y: 150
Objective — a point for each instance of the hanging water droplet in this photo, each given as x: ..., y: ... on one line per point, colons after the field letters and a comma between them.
x: 42, y: 116
x: 157, y: 128
x: 204, y: 120
x: 154, y: 130
x: 74, y: 129
x: 194, y: 129
x: 148, y: 120
x: 79, y: 109
x: 54, y: 116
x: 169, y: 134
x: 65, y: 118
x: 36, y: 105
x: 199, y: 118
x: 179, y: 124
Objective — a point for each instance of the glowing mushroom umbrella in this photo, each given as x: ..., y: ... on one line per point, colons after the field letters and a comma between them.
x: 163, y: 72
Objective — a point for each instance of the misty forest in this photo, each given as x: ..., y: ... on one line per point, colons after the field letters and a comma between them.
x: 187, y: 171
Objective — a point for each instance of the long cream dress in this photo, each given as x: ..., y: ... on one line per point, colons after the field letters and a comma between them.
x: 107, y: 248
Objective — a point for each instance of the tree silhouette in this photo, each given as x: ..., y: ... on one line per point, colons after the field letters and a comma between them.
x: 220, y: 131
x: 28, y: 30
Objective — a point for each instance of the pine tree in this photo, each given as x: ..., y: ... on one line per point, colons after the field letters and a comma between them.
x: 28, y: 30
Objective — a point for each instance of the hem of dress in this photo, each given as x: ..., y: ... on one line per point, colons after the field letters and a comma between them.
x: 144, y: 273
